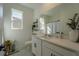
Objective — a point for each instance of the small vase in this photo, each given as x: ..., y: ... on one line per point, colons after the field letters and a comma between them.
x: 74, y: 35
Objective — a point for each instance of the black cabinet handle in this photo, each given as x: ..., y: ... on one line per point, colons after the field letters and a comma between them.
x: 35, y: 45
x: 51, y: 54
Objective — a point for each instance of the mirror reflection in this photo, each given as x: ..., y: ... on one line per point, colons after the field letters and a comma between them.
x: 53, y: 28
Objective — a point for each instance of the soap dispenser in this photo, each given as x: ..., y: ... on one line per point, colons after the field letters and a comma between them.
x: 61, y: 35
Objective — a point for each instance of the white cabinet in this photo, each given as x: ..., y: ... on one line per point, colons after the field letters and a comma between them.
x: 52, y: 49
x: 36, y: 46
x: 41, y: 47
x: 47, y: 51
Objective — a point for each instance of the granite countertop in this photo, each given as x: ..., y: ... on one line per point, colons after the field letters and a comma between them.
x: 66, y: 43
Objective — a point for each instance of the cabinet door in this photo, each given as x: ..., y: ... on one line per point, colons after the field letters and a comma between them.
x: 33, y: 45
x: 60, y: 50
x: 65, y: 52
x: 36, y: 46
x: 54, y: 53
x: 48, y: 52
x: 45, y: 51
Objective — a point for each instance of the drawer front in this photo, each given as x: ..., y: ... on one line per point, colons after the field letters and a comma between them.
x: 48, y: 45
x: 58, y: 49
x: 46, y: 51
x: 65, y: 52
x: 49, y: 52
x: 54, y: 53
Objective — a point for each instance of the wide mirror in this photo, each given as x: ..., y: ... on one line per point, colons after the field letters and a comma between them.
x: 51, y: 28
x: 54, y: 28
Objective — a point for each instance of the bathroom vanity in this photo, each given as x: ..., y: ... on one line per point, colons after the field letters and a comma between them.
x: 58, y: 43
x: 52, y: 46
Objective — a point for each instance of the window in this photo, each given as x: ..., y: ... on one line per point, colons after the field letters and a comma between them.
x: 16, y: 19
x: 42, y: 24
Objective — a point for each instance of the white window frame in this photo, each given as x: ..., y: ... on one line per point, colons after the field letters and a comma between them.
x: 19, y: 13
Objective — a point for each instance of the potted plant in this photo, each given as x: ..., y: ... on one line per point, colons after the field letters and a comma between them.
x: 7, y: 47
x: 74, y: 25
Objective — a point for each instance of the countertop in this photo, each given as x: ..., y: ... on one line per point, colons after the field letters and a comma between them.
x: 66, y: 43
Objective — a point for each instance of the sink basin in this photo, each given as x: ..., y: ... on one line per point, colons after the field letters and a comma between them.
x: 45, y: 37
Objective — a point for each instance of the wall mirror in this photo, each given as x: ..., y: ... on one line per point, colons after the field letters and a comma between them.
x: 49, y: 27
x: 54, y: 28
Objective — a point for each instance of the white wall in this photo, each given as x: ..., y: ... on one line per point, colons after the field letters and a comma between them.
x: 1, y: 22
x: 22, y: 35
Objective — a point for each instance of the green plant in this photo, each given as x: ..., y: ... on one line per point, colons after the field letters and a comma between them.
x: 74, y: 22
x: 35, y: 24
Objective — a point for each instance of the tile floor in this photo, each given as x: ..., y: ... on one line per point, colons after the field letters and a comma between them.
x: 24, y: 52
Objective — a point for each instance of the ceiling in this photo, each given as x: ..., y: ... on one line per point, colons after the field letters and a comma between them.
x: 41, y: 8
x: 33, y: 5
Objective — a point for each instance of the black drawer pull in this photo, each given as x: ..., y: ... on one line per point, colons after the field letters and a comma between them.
x: 35, y: 45
x: 51, y: 54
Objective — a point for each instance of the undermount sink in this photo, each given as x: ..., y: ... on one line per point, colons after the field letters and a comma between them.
x: 46, y: 37
x: 42, y: 36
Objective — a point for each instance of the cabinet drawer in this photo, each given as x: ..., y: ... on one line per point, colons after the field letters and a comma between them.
x: 48, y: 45
x: 46, y: 51
x: 59, y: 49
x: 49, y: 52
x: 65, y: 52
